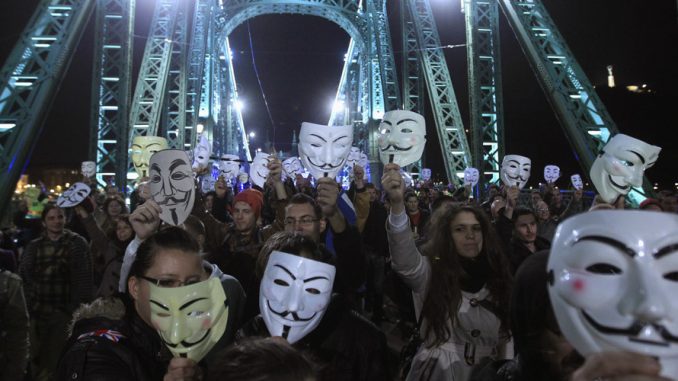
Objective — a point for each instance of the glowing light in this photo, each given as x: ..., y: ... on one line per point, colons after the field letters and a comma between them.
x: 199, y: 128
x: 239, y: 105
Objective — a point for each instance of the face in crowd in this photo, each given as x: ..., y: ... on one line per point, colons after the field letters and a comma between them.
x: 467, y: 234
x: 525, y: 228
x: 302, y: 218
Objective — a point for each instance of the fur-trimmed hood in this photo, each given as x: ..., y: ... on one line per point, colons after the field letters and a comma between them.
x: 110, y: 307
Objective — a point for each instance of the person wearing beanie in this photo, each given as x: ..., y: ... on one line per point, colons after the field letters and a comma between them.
x: 234, y: 246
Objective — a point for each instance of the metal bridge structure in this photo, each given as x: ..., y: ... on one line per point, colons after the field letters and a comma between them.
x: 186, y: 84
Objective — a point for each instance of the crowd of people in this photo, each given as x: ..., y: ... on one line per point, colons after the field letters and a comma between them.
x: 461, y: 281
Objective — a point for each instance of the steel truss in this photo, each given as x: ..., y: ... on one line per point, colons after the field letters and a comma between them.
x: 111, y: 88
x: 584, y: 118
x: 29, y: 79
x: 485, y: 89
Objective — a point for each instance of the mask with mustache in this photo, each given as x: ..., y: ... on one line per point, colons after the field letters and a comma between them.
x: 402, y: 137
x: 515, y: 170
x: 323, y: 149
x: 171, y: 183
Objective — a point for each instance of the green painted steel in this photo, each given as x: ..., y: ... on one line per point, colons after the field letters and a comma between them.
x: 581, y: 113
x: 485, y: 89
x: 412, y: 74
x: 200, y: 27
x: 174, y: 109
x: 29, y: 79
x: 111, y: 89
x: 453, y: 142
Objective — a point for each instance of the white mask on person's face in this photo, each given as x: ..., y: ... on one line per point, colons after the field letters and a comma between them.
x: 402, y: 137
x: 259, y: 169
x: 613, y: 283
x: 551, y: 173
x: 515, y: 170
x: 294, y: 294
x: 471, y: 176
x: 621, y: 165
x: 172, y: 187
x: 324, y: 149
x: 426, y: 174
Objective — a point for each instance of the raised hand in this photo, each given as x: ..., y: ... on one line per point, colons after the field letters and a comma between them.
x: 328, y: 191
x: 145, y: 219
x: 275, y: 168
x: 619, y: 366
x: 183, y: 369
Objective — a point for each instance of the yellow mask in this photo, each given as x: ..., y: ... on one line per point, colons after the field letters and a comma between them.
x: 190, y: 319
x: 142, y: 148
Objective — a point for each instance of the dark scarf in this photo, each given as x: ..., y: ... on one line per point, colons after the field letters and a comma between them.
x: 476, y: 273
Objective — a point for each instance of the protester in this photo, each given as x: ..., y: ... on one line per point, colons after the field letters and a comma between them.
x: 114, y: 338
x: 113, y: 207
x: 14, y: 328
x: 57, y: 274
x: 461, y: 286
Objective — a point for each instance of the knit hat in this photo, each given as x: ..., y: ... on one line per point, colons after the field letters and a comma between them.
x: 251, y: 197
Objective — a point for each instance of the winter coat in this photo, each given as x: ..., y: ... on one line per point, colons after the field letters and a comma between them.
x: 110, y: 341
x: 14, y: 327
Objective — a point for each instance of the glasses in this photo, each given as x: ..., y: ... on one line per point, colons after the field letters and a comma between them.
x: 170, y: 283
x: 304, y: 221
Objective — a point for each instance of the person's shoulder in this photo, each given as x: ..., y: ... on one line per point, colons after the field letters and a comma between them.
x: 74, y: 237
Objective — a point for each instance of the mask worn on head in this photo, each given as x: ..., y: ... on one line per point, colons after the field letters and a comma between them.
x: 207, y: 184
x: 172, y: 185
x: 402, y: 135
x: 259, y: 169
x: 74, y: 195
x: 201, y: 153
x: 292, y: 167
x: 515, y: 170
x: 143, y: 147
x: 577, y: 183
x: 613, y: 283
x: 88, y: 168
x: 426, y: 174
x: 190, y: 319
x: 621, y: 165
x: 364, y: 161
x: 324, y: 149
x: 551, y: 173
x: 294, y: 295
x: 229, y: 166
x: 471, y: 176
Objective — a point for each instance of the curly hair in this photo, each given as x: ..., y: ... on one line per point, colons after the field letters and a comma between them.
x: 443, y: 301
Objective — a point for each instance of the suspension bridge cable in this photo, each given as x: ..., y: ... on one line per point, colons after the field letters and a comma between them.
x: 256, y: 72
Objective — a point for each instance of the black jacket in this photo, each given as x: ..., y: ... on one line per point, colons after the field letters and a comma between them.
x: 110, y: 341
x: 345, y: 345
x: 515, y: 250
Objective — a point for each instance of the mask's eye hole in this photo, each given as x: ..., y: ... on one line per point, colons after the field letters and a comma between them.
x: 604, y: 269
x: 313, y: 291
x: 672, y: 276
x: 163, y: 314
x: 406, y: 131
x: 281, y: 282
x: 195, y: 313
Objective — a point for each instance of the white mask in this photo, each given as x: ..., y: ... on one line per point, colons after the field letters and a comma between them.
x: 89, y: 168
x: 143, y: 147
x: 402, y: 136
x: 613, y: 283
x: 259, y: 169
x: 243, y: 177
x: 171, y: 181
x: 323, y: 149
x: 577, y: 183
x: 292, y: 167
x: 294, y: 295
x: 190, y: 319
x: 621, y: 165
x: 353, y: 157
x: 74, y: 195
x: 207, y: 184
x: 202, y: 152
x: 426, y: 174
x: 515, y: 170
x: 551, y: 173
x: 364, y: 161
x: 229, y: 166
x: 471, y: 176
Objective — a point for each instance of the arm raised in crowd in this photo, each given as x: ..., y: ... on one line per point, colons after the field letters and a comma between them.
x: 406, y: 259
x: 215, y: 230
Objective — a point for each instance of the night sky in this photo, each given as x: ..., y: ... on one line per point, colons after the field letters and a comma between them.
x: 299, y: 61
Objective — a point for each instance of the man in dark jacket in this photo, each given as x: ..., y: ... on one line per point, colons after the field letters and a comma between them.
x: 14, y: 344
x: 57, y: 274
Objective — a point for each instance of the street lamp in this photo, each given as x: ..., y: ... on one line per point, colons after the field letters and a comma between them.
x: 252, y: 135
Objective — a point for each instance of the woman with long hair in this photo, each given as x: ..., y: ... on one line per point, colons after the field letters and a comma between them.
x: 460, y: 284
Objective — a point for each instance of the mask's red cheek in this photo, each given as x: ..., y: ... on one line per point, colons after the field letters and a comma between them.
x: 207, y: 323
x: 578, y: 285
